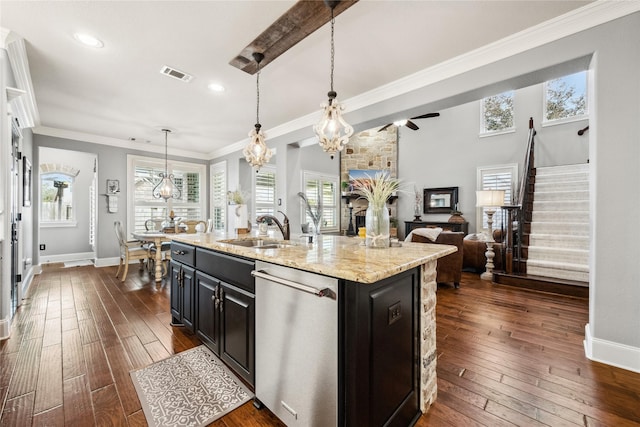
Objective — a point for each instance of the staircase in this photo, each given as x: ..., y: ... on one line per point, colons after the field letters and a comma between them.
x: 559, y: 236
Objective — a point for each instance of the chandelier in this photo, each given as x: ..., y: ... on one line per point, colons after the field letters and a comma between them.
x: 166, y: 188
x: 256, y: 152
x: 332, y: 130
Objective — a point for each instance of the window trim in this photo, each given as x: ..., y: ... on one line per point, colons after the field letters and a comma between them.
x: 132, y: 159
x: 254, y: 204
x: 62, y: 223
x: 483, y: 128
x: 304, y: 175
x: 480, y: 211
x: 220, y: 167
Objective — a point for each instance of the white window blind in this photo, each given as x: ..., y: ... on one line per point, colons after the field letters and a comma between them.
x: 219, y: 195
x: 496, y: 178
x: 144, y: 176
x: 264, y: 191
x: 328, y: 186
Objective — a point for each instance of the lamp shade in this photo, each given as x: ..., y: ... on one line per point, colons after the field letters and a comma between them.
x: 489, y: 198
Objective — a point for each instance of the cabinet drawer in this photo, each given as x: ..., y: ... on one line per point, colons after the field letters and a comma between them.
x: 185, y: 254
x: 234, y: 270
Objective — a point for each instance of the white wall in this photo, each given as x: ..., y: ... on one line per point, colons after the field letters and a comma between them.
x: 447, y: 150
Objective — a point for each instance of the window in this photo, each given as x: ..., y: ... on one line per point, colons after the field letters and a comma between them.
x: 56, y: 194
x: 264, y: 190
x: 219, y: 195
x: 565, y: 98
x: 326, y: 186
x: 497, y: 114
x: 496, y: 178
x: 143, y: 177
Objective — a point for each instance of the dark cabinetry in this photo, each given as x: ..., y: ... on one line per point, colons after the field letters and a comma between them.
x: 182, y: 274
x: 446, y: 226
x: 226, y: 323
x: 381, y: 351
x: 214, y: 294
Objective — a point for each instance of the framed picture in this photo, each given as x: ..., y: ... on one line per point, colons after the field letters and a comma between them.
x: 113, y: 186
x: 26, y: 181
x: 440, y: 200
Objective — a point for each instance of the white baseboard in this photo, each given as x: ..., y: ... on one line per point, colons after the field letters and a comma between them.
x: 66, y: 257
x: 611, y: 353
x: 107, y: 262
x: 5, y: 328
x: 28, y: 278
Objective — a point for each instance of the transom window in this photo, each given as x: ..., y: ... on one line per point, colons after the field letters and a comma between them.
x: 143, y: 177
x: 565, y: 98
x: 497, y: 114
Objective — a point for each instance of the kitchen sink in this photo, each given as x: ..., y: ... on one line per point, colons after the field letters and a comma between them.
x: 260, y: 243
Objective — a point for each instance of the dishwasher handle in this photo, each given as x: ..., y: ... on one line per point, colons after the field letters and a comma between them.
x: 327, y: 293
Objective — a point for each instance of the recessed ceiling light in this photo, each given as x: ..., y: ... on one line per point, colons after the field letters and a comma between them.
x: 88, y: 40
x: 215, y: 87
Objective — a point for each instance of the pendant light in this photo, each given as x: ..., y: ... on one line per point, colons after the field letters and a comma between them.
x: 256, y: 152
x: 166, y: 188
x: 333, y: 132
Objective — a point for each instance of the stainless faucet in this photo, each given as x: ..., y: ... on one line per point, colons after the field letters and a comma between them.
x: 284, y: 228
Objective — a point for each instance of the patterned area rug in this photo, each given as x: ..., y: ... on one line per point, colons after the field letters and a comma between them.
x: 192, y: 388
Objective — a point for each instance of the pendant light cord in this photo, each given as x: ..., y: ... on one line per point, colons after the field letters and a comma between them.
x: 332, y: 48
x: 166, y: 167
x: 258, y: 94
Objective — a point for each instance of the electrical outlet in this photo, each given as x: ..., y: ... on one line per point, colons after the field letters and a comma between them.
x: 395, y: 313
x: 43, y: 247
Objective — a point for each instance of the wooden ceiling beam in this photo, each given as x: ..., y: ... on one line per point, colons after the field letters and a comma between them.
x: 302, y: 19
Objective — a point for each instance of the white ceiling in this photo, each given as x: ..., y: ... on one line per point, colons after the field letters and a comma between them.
x: 117, y: 92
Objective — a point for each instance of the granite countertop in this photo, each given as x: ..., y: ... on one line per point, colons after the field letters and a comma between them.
x: 334, y: 256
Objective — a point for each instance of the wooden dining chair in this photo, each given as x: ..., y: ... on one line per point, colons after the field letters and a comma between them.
x: 129, y: 251
x: 192, y: 223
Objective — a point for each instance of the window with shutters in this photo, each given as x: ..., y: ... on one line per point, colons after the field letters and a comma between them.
x: 317, y: 186
x: 264, y: 191
x: 496, y: 114
x: 143, y: 176
x: 219, y: 195
x: 502, y: 177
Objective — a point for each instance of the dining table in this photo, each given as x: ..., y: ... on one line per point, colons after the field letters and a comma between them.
x: 157, y: 238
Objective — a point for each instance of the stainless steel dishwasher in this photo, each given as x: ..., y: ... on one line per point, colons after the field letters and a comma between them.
x: 297, y: 345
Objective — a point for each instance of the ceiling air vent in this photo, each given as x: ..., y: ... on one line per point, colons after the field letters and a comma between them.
x: 176, y: 74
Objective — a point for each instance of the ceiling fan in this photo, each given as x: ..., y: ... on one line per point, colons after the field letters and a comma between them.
x: 408, y: 123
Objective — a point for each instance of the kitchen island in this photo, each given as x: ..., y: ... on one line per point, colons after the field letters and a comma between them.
x: 384, y: 330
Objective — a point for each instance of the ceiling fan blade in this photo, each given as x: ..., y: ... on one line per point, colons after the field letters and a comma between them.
x: 412, y: 125
x: 384, y: 127
x: 426, y: 116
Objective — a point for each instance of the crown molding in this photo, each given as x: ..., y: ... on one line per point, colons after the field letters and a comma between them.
x: 591, y: 15
x: 4, y: 34
x: 20, y: 65
x: 113, y: 142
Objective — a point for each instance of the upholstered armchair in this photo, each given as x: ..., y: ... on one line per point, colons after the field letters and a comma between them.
x: 449, y: 268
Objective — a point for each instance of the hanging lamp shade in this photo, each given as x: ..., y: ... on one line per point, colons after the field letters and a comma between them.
x: 166, y: 188
x: 256, y: 152
x: 332, y: 130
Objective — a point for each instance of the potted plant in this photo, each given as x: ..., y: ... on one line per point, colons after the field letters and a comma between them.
x: 377, y: 191
x: 345, y: 188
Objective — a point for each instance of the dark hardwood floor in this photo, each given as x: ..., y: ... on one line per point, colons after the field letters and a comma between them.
x: 507, y: 356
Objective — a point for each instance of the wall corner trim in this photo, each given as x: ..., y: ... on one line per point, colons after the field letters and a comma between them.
x: 611, y: 353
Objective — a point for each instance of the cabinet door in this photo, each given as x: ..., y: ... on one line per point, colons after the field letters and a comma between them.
x: 237, y: 338
x: 176, y: 290
x: 207, y: 326
x: 188, y: 297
